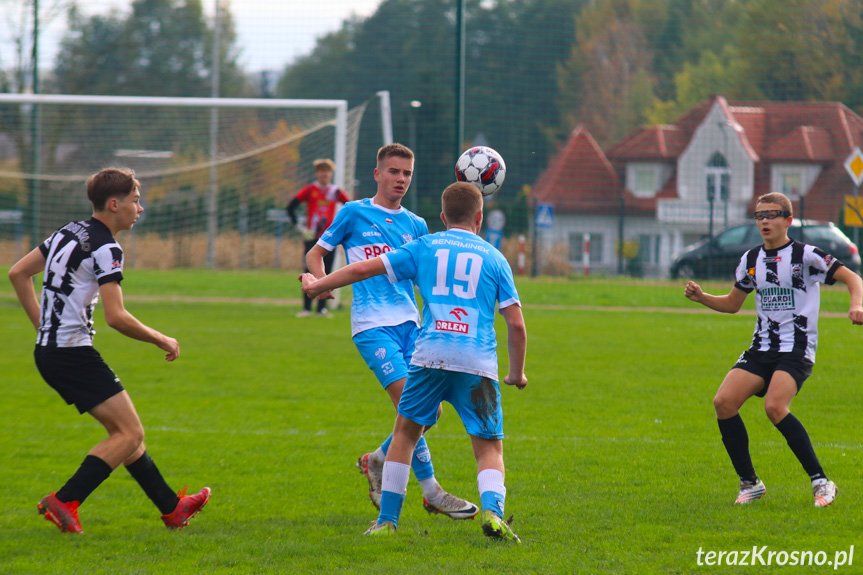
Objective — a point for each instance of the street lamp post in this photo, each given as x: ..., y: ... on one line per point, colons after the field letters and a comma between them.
x: 711, y: 196
x: 413, y: 106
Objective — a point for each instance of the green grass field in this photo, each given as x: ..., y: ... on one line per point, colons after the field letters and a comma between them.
x: 614, y: 461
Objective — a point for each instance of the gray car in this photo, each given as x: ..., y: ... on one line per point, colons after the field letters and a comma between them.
x: 719, y: 258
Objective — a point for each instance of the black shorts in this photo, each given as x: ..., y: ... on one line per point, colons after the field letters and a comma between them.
x: 78, y: 374
x: 764, y: 363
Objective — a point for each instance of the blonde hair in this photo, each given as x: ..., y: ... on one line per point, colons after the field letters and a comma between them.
x: 776, y: 198
x: 324, y: 164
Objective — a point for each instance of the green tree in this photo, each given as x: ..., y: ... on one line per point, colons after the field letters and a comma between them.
x: 607, y: 82
x: 159, y: 48
x: 788, y: 49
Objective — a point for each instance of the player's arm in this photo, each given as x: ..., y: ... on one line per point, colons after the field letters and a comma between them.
x: 855, y: 291
x: 292, y: 210
x: 728, y: 303
x: 356, y: 272
x: 120, y: 319
x: 21, y: 276
x: 516, y: 344
x: 315, y: 263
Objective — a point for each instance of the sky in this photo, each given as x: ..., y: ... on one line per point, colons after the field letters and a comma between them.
x: 271, y: 33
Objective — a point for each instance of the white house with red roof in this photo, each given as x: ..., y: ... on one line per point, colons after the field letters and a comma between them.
x: 655, y: 185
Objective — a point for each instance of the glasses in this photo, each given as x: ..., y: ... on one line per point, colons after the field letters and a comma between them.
x: 770, y: 215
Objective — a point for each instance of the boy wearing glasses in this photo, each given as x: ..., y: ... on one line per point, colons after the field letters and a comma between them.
x: 785, y: 275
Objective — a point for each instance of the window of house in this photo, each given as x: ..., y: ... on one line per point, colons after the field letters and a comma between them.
x: 645, y: 180
x: 792, y: 184
x: 648, y: 248
x: 576, y: 247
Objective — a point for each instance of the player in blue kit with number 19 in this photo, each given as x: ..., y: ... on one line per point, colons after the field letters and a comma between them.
x: 460, y: 278
x: 384, y: 315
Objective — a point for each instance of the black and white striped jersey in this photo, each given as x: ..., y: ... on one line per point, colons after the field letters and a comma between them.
x: 79, y: 257
x: 786, y: 281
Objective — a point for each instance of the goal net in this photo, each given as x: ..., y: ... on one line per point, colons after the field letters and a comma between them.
x: 216, y: 173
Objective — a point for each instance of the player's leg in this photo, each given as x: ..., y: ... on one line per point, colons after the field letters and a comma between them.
x: 492, y: 492
x: 738, y: 386
x: 782, y: 390
x: 388, y: 351
x: 476, y: 399
x: 82, y: 378
x: 396, y: 472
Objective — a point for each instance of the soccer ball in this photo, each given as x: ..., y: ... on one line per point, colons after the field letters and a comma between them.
x: 482, y: 167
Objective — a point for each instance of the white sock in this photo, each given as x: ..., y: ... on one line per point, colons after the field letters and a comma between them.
x: 378, y: 454
x: 490, y: 480
x: 432, y: 491
x: 396, y: 477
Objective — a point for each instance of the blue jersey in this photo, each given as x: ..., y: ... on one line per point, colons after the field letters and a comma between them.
x: 460, y: 276
x: 366, y: 231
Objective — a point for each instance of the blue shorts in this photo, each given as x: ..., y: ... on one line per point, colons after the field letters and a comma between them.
x: 475, y: 398
x: 388, y: 350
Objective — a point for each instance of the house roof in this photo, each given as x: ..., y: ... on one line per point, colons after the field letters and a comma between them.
x: 580, y: 178
x: 822, y: 133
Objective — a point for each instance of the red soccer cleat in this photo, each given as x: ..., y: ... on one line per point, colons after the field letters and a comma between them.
x: 187, y: 508
x: 63, y: 515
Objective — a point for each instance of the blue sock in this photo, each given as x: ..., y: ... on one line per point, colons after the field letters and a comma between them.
x: 391, y: 507
x: 393, y: 490
x: 421, y: 461
x: 492, y: 492
x: 494, y: 502
x: 385, y: 446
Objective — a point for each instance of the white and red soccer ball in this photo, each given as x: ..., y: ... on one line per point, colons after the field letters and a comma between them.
x: 482, y: 167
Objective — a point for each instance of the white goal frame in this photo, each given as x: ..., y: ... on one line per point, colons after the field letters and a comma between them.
x: 214, y: 104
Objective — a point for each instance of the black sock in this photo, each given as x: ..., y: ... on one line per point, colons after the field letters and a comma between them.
x: 736, y: 442
x: 90, y: 475
x: 798, y: 440
x: 145, y: 472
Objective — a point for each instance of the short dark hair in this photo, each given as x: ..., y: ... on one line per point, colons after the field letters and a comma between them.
x: 398, y: 150
x: 776, y: 198
x: 109, y: 183
x: 460, y: 202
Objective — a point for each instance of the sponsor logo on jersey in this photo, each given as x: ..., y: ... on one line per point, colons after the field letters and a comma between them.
x: 407, y: 238
x: 751, y: 272
x: 458, y: 312
x: 772, y: 259
x: 387, y: 368
x: 441, y: 325
x: 777, y: 299
x: 381, y: 353
x: 374, y: 250
x: 375, y: 232
x: 116, y: 264
x: 828, y: 259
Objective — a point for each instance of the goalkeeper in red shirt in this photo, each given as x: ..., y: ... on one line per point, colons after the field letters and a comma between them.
x: 321, y: 198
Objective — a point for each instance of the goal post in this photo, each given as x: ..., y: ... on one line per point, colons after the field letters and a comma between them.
x: 262, y: 151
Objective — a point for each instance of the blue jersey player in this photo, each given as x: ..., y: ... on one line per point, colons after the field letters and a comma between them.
x: 460, y: 278
x: 384, y: 315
